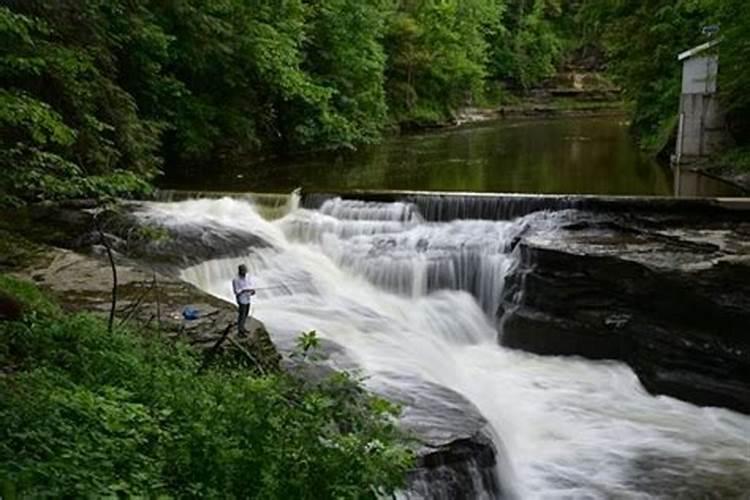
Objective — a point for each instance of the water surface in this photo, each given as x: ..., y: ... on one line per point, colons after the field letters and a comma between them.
x: 575, y: 155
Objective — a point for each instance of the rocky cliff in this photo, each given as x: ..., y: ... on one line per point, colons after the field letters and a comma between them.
x: 670, y: 298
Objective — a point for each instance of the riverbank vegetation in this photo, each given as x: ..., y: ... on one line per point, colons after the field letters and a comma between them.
x: 87, y: 413
x: 96, y: 98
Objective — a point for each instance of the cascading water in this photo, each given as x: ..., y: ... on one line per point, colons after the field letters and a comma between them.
x: 410, y: 301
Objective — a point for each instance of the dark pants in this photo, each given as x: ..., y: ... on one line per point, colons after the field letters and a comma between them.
x: 244, y: 310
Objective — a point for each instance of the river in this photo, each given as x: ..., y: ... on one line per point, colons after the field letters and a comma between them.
x: 407, y: 300
x: 566, y: 155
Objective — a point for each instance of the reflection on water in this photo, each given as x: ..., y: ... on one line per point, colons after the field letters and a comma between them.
x: 586, y: 155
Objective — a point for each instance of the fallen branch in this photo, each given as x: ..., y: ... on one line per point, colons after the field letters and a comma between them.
x: 212, y: 352
x: 130, y: 309
x: 158, y: 304
x: 249, y: 356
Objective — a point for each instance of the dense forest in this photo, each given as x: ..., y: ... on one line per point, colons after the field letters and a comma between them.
x: 97, y: 97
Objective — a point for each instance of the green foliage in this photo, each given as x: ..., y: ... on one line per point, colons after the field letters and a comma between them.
x: 63, y: 114
x: 343, y: 53
x: 84, y: 413
x: 95, y: 96
x: 307, y: 342
x: 527, y: 48
x: 736, y: 160
x: 30, y: 297
x: 734, y: 53
x: 437, y: 54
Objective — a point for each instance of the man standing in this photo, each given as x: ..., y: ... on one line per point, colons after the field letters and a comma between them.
x: 243, y: 290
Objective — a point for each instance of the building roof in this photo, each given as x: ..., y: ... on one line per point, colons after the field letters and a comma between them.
x: 697, y: 50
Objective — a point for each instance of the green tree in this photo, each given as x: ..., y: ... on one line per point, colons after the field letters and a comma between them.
x: 642, y: 40
x: 527, y: 48
x: 66, y: 119
x: 437, y: 55
x: 734, y: 53
x: 344, y: 53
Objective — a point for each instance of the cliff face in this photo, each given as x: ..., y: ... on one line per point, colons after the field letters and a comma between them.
x: 672, y: 303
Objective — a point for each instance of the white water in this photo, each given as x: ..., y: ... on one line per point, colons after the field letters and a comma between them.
x: 381, y: 282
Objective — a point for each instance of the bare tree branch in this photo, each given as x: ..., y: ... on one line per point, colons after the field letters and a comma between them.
x: 111, y: 258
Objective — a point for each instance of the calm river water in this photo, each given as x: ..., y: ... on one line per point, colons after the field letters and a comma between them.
x: 575, y: 155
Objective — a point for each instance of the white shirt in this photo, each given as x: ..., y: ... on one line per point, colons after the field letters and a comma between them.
x: 241, y: 287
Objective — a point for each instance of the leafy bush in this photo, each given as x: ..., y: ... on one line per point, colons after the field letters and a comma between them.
x: 64, y: 116
x: 86, y: 413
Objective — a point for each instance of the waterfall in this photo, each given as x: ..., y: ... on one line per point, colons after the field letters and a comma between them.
x: 408, y: 300
x: 445, y: 207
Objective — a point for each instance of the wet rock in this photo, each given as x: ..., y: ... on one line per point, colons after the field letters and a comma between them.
x: 168, y: 246
x: 148, y: 300
x: 76, y: 225
x: 457, y: 454
x: 674, y: 303
x: 457, y: 457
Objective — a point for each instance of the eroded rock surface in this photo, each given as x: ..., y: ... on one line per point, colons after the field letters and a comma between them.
x: 671, y: 301
x: 457, y: 455
x: 145, y: 299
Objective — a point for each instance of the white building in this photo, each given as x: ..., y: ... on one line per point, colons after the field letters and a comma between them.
x: 701, y: 129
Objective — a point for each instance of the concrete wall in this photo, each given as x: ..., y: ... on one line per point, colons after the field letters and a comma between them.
x: 701, y: 128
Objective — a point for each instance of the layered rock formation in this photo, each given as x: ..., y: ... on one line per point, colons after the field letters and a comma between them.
x: 146, y: 299
x: 670, y: 298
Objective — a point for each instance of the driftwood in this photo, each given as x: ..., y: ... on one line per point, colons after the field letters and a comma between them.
x: 158, y: 303
x: 131, y: 308
x: 225, y: 336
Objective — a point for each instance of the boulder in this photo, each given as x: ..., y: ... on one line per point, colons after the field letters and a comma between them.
x: 458, y: 457
x: 456, y: 454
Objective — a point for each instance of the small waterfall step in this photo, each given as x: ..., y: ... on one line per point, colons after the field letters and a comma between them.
x: 446, y: 206
x: 269, y: 205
